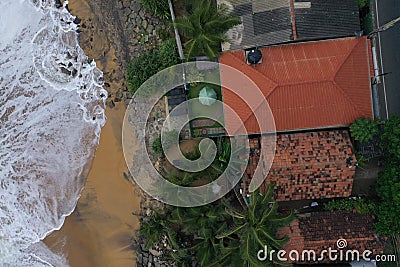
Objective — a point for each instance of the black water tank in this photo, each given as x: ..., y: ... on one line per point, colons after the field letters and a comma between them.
x: 254, y: 56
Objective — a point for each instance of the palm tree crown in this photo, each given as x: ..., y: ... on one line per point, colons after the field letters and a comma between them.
x: 205, y: 28
x: 255, y: 228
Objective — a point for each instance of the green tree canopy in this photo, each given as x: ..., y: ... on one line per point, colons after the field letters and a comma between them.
x: 390, y: 139
x: 254, y: 228
x: 158, y: 7
x: 149, y: 63
x: 204, y: 29
x: 364, y: 129
x: 388, y: 190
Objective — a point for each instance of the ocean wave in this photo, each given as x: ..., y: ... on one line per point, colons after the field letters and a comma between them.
x: 51, y: 114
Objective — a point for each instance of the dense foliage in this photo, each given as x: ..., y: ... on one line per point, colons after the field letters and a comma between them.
x: 388, y: 185
x: 390, y: 139
x: 360, y: 204
x: 388, y: 190
x: 149, y: 63
x: 158, y: 7
x: 204, y: 29
x: 363, y: 3
x: 218, y: 234
x: 364, y: 129
x: 252, y: 229
x: 209, y: 174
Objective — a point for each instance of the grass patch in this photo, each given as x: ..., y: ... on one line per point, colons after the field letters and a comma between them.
x: 197, y: 109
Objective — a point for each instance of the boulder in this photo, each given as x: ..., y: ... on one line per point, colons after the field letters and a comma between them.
x: 58, y: 4
x: 135, y: 7
x: 126, y: 3
x: 77, y: 20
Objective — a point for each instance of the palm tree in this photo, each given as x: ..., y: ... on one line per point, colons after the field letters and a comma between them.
x: 255, y: 227
x: 154, y: 227
x: 204, y: 29
x: 202, y: 224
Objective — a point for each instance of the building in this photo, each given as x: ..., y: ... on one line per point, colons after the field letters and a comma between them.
x: 314, y: 90
x: 268, y: 22
x: 319, y: 231
x: 312, y: 85
x: 308, y: 165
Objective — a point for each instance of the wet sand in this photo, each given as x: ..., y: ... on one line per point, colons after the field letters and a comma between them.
x: 100, y: 232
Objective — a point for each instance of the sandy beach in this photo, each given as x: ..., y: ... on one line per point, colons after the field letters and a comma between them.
x: 101, y: 230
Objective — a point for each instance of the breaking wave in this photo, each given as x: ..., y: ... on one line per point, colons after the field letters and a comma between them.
x: 51, y: 114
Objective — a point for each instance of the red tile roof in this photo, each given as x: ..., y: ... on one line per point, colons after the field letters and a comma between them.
x: 307, y: 85
x: 321, y: 230
x: 308, y: 165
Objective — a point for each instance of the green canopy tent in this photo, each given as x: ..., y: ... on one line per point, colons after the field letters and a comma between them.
x: 207, y: 96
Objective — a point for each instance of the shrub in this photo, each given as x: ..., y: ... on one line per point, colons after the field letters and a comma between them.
x: 168, y: 53
x: 364, y: 129
x: 156, y: 147
x: 362, y: 3
x: 142, y: 68
x: 361, y: 160
x: 158, y: 7
x: 390, y: 139
x: 361, y: 205
x: 388, y: 190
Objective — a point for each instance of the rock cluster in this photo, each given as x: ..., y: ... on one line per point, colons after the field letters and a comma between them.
x: 141, y: 27
x: 129, y: 30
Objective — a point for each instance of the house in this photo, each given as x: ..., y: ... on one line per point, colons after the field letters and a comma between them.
x: 311, y: 85
x: 268, y: 22
x: 319, y: 231
x: 314, y: 90
x: 308, y: 165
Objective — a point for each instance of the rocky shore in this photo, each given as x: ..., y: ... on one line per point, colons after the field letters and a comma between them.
x: 102, y: 230
x: 126, y: 29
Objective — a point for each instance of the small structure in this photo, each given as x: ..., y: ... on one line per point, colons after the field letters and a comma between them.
x: 338, y: 230
x: 308, y: 165
x: 207, y: 96
x: 254, y: 56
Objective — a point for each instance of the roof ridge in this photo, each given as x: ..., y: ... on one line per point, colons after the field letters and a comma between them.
x: 266, y: 78
x: 358, y: 40
x: 302, y: 83
x: 349, y: 99
x: 254, y: 70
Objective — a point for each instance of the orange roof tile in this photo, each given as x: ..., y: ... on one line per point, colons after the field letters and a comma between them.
x: 309, y: 165
x: 320, y: 230
x: 307, y: 85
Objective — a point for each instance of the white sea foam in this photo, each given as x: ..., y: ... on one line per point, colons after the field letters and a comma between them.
x: 51, y: 114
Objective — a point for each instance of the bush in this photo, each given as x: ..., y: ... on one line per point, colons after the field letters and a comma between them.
x: 156, y: 147
x: 361, y: 205
x: 362, y: 3
x: 364, y: 129
x: 158, y: 7
x: 140, y: 69
x: 168, y: 53
x: 388, y: 190
x: 148, y: 64
x: 390, y: 139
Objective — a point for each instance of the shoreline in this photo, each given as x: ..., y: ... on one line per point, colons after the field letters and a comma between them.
x: 101, y: 229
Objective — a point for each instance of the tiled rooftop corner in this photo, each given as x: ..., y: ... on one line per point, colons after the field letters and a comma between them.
x: 310, y: 165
